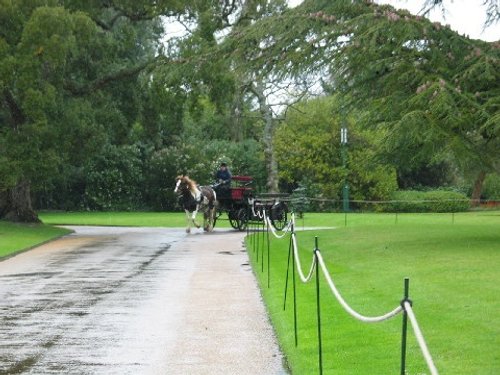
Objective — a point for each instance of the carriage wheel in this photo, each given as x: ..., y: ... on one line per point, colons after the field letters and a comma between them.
x: 242, y: 219
x: 216, y: 216
x: 233, y: 219
x: 279, y: 215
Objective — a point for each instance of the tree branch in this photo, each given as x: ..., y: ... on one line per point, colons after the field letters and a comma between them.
x: 107, y: 79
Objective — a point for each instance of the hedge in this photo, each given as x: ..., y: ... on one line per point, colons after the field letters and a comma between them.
x: 427, y: 201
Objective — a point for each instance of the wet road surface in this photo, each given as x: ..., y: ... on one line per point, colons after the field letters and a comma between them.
x: 134, y: 301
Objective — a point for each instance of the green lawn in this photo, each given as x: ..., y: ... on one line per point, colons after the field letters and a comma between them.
x: 138, y: 219
x: 454, y: 283
x: 17, y: 237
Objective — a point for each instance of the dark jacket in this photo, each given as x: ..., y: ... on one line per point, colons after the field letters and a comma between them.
x: 223, y: 175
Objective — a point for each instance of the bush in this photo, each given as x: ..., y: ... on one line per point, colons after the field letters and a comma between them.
x: 114, y: 179
x: 491, y: 187
x: 427, y: 201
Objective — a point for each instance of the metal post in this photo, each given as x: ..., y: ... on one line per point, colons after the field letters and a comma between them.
x: 268, y: 256
x: 343, y: 143
x: 253, y: 237
x: 318, y: 309
x: 294, y: 301
x: 257, y: 240
x: 288, y: 268
x: 405, y: 326
x: 263, y: 240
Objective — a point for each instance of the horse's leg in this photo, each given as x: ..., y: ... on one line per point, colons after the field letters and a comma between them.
x: 188, y: 221
x: 206, y: 223
x: 211, y: 214
x: 193, y: 217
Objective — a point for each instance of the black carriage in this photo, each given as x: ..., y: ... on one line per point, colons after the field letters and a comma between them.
x: 242, y: 205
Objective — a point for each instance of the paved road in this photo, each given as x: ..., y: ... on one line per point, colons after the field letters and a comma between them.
x: 134, y: 301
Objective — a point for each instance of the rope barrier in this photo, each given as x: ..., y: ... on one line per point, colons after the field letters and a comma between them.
x: 304, y: 279
x: 343, y: 303
x: 420, y: 338
x: 318, y: 262
x: 285, y: 230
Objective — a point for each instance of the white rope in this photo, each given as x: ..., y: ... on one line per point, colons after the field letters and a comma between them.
x: 305, y: 279
x: 258, y: 214
x: 420, y: 339
x: 273, y: 230
x: 343, y: 303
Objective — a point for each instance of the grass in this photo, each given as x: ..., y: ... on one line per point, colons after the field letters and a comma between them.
x: 452, y: 263
x: 17, y: 237
x: 134, y: 219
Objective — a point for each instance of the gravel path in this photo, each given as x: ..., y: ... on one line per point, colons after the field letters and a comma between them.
x: 134, y: 301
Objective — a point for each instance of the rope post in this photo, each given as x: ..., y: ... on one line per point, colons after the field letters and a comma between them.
x: 294, y: 300
x: 345, y: 219
x: 396, y: 219
x: 263, y: 243
x: 405, y: 325
x: 288, y: 267
x: 250, y: 224
x: 257, y: 225
x: 268, y: 256
x: 318, y: 309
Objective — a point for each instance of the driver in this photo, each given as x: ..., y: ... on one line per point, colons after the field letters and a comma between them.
x: 223, y: 178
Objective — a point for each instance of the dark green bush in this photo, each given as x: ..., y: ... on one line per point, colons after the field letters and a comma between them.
x: 114, y: 179
x: 427, y: 201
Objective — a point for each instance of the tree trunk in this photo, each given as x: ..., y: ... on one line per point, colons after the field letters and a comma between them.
x: 270, y: 156
x: 477, y: 189
x: 15, y: 204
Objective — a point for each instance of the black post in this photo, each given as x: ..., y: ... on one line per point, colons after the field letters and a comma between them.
x: 268, y: 256
x: 257, y: 239
x: 405, y: 326
x: 318, y: 309
x: 294, y: 300
x: 263, y: 245
x: 253, y: 236
x: 345, y: 219
x: 288, y: 268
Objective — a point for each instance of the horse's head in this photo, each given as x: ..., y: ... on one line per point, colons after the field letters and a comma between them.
x: 183, y: 184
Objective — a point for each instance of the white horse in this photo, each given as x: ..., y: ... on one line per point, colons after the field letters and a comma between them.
x: 194, y: 198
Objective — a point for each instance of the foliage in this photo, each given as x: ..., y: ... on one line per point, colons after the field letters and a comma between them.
x: 427, y: 201
x: 492, y: 187
x: 309, y: 153
x: 114, y: 179
x: 434, y: 93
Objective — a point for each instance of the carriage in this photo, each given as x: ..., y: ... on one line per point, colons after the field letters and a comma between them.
x: 243, y: 206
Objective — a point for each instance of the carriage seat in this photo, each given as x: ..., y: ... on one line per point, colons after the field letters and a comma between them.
x: 241, y: 190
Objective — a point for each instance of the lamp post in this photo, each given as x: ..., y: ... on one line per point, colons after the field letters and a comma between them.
x: 343, y: 144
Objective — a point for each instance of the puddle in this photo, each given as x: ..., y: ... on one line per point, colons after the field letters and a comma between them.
x: 225, y: 252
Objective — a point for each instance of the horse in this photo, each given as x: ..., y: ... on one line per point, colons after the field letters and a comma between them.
x: 194, y: 198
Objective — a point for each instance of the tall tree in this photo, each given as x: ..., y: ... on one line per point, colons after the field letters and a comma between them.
x: 435, y: 90
x: 65, y: 69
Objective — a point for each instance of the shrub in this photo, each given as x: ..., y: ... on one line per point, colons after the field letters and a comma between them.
x: 427, y: 201
x: 114, y: 179
x: 491, y: 188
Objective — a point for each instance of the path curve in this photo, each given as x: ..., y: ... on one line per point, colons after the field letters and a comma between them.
x: 108, y: 300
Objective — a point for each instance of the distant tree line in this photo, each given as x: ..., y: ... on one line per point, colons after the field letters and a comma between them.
x: 99, y: 111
